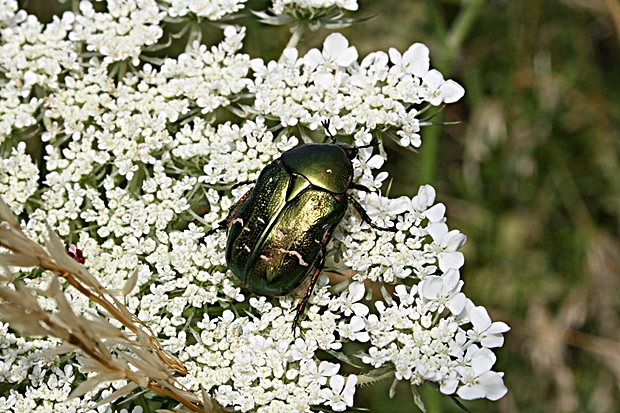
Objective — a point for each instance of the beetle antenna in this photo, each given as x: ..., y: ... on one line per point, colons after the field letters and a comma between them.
x: 325, y: 125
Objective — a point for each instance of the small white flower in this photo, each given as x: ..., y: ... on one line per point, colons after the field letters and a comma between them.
x: 366, y: 161
x: 376, y: 357
x: 478, y: 379
x: 336, y: 53
x: 414, y: 61
x: 489, y: 385
x: 486, y: 332
x: 443, y: 291
x: 438, y: 91
x: 311, y: 373
x: 445, y: 245
x: 354, y: 330
x: 340, y: 395
x: 348, y: 301
x: 383, y: 210
x: 303, y: 349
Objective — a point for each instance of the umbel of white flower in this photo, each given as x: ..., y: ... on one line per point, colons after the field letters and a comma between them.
x: 127, y: 159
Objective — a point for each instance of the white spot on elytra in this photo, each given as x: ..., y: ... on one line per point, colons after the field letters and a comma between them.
x: 329, y: 171
x: 237, y: 220
x: 296, y: 254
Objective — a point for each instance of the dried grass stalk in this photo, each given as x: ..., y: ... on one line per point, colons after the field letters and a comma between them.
x: 133, y: 353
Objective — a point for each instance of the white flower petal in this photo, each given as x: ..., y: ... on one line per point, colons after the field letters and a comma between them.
x: 451, y: 91
x: 498, y: 327
x: 312, y: 59
x: 492, y: 341
x: 418, y: 57
x: 399, y: 205
x: 376, y: 161
x: 436, y: 213
x: 471, y: 392
x: 357, y: 291
x: 395, y: 56
x: 480, y: 318
x: 457, y: 303
x: 432, y: 79
x: 336, y: 383
x: 494, y: 385
x: 328, y: 369
x: 451, y: 260
x: 453, y: 240
x: 437, y: 231
x: 449, y: 386
x: 431, y: 287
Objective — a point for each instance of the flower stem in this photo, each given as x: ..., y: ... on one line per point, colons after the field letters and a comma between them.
x: 195, y: 33
x: 297, y: 31
x: 429, y: 152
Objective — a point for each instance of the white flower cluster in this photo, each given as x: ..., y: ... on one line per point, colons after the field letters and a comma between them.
x: 18, y: 178
x: 38, y: 384
x: 405, y: 336
x: 295, y: 6
x: 129, y: 160
x: 254, y: 363
x: 31, y: 54
x: 8, y: 9
x: 387, y: 256
x: 121, y: 32
x: 371, y: 94
x: 209, y: 9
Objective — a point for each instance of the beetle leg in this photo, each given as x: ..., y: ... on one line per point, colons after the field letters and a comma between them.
x: 374, y: 142
x: 299, y: 309
x: 362, y: 188
x: 360, y: 209
x: 226, y: 222
x: 238, y: 184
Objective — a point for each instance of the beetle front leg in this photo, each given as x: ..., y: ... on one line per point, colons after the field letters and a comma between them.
x: 238, y: 184
x: 360, y: 209
x: 232, y: 213
x: 362, y: 188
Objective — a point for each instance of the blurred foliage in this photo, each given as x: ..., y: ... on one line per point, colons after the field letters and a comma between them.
x: 531, y: 174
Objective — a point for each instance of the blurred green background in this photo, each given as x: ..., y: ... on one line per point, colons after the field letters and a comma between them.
x: 531, y: 175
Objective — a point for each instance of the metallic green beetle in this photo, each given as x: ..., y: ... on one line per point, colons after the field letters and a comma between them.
x: 278, y: 231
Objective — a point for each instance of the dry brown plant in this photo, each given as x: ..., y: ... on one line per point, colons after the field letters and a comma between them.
x: 110, y: 353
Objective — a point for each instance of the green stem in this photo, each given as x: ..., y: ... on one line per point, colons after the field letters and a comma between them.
x: 439, y: 26
x: 298, y: 30
x: 450, y: 45
x: 429, y: 153
x: 195, y: 33
x: 461, y: 28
